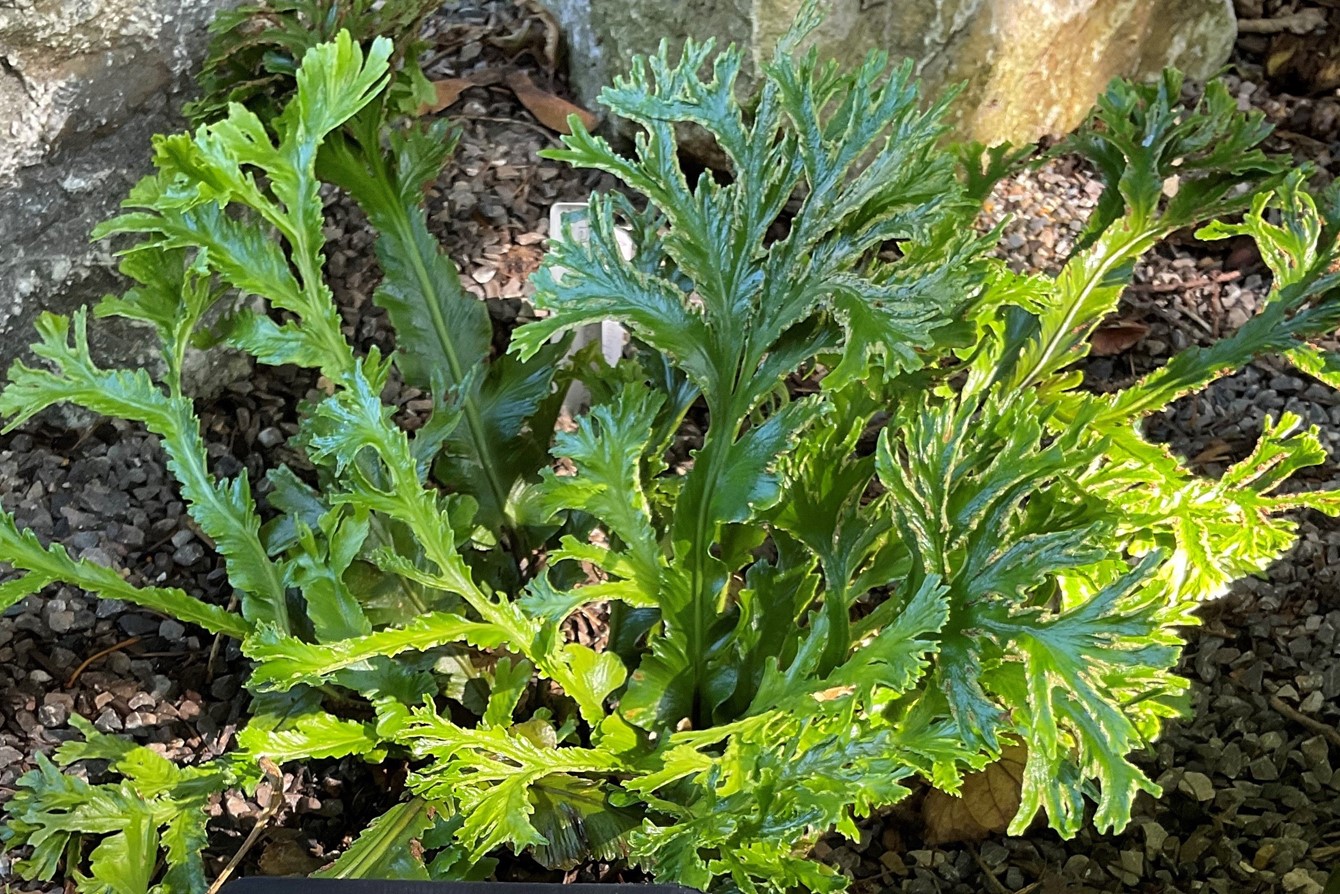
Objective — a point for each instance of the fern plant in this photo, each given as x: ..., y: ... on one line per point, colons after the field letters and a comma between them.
x: 236, y: 206
x: 937, y: 548
x: 382, y: 158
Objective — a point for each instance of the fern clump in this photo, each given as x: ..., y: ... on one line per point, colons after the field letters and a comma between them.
x: 942, y: 549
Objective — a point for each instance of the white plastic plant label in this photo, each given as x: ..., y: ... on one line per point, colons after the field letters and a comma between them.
x: 610, y: 335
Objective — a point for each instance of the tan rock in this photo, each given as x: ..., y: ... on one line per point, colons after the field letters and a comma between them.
x: 1031, y: 67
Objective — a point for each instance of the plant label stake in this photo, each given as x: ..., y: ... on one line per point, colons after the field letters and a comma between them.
x: 609, y: 334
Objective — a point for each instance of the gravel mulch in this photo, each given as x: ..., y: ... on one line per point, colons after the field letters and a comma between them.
x: 1252, y: 799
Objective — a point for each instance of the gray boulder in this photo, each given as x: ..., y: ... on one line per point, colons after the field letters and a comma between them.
x: 1031, y: 67
x: 83, y: 88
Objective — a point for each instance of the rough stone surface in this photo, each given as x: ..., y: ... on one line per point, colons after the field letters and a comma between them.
x: 1032, y: 67
x: 83, y: 87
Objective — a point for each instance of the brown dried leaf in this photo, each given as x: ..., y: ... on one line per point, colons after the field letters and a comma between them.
x: 1113, y: 338
x: 448, y: 91
x: 520, y: 261
x: 1216, y: 451
x: 550, y: 110
x: 987, y: 802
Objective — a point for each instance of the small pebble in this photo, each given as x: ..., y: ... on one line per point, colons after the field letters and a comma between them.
x: 137, y: 624
x: 993, y: 854
x: 172, y: 631
x: 1197, y: 785
x: 60, y: 621
x: 1315, y: 750
x: 52, y: 716
x: 108, y: 722
x: 1300, y: 881
x: 188, y: 554
x: 270, y: 437
x: 139, y: 720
